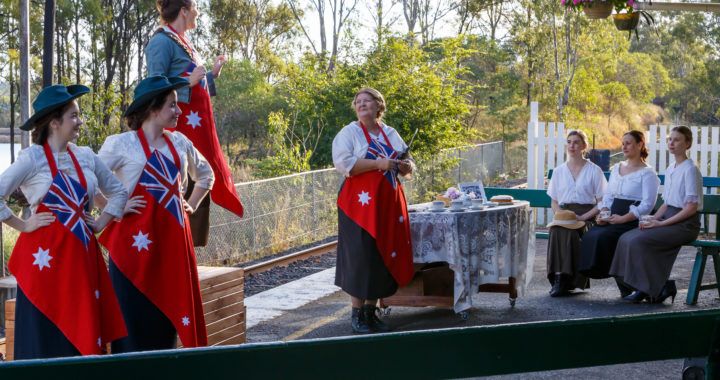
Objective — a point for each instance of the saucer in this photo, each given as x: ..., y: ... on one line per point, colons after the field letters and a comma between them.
x: 490, y: 204
x: 436, y: 209
x: 457, y: 209
x: 478, y: 208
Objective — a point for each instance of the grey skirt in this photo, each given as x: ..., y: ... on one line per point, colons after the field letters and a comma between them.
x: 644, y: 258
x: 563, y: 255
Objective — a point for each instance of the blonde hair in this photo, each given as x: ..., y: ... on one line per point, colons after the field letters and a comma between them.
x: 375, y: 94
x: 686, y: 132
x: 580, y: 134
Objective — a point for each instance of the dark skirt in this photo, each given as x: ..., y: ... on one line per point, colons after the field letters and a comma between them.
x: 644, y: 258
x: 598, y: 244
x: 563, y: 254
x: 148, y: 328
x: 36, y: 337
x: 200, y: 219
x: 360, y: 270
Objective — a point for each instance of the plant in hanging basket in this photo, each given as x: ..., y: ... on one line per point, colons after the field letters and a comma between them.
x: 598, y: 9
x: 630, y: 20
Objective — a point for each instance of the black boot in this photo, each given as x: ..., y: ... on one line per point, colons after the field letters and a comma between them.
x: 375, y: 323
x: 669, y: 290
x: 358, y: 322
x: 559, y: 287
x: 625, y: 290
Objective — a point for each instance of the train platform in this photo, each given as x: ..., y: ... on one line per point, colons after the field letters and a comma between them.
x: 313, y: 307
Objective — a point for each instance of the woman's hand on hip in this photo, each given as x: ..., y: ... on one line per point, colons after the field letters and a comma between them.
x: 38, y: 220
x: 188, y: 208
x: 134, y: 205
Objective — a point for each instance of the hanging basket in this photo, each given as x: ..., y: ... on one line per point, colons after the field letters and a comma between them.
x: 626, y: 21
x: 597, y: 10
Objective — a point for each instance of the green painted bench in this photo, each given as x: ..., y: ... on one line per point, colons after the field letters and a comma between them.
x: 705, y: 247
x: 432, y: 354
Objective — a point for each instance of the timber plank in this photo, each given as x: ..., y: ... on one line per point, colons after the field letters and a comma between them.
x: 219, y: 303
x: 222, y: 324
x: 216, y: 288
x: 220, y: 294
x: 237, y: 339
x: 211, y: 276
x: 225, y: 312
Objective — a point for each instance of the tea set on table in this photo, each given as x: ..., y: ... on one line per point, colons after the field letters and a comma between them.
x: 455, y: 200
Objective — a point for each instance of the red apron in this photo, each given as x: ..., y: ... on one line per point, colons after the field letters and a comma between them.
x: 376, y: 202
x: 197, y: 122
x: 154, y: 249
x: 61, y: 270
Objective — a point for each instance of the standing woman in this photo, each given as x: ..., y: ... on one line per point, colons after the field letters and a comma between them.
x: 631, y: 193
x: 170, y: 53
x: 65, y: 303
x: 152, y: 259
x: 374, y: 251
x: 644, y: 257
x: 575, y: 187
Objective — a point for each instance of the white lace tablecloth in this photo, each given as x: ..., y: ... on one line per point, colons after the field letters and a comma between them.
x: 480, y: 246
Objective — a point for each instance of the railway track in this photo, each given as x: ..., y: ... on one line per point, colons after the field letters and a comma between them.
x: 290, y: 258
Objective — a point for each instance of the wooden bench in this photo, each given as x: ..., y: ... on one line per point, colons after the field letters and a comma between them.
x: 222, y: 290
x: 705, y: 247
x: 429, y: 354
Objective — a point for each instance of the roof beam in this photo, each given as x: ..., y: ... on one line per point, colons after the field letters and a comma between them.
x: 668, y: 6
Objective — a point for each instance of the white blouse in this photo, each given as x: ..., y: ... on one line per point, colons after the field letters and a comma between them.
x: 641, y: 185
x: 586, y: 189
x: 124, y: 155
x: 350, y: 144
x: 683, y: 184
x: 31, y: 173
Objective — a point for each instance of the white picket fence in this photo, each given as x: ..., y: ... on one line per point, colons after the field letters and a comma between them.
x: 546, y: 150
x: 704, y: 151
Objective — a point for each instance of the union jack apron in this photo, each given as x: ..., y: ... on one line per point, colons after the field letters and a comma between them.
x: 375, y: 202
x: 154, y: 252
x: 61, y: 273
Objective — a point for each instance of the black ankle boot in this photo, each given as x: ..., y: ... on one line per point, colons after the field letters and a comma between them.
x: 375, y: 323
x: 625, y: 290
x: 358, y: 322
x: 560, y: 286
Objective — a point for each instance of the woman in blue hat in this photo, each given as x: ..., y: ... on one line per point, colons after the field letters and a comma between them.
x: 65, y: 303
x: 152, y: 259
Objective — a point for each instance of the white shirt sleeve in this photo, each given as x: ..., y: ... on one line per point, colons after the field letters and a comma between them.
x: 12, y: 178
x: 552, y: 191
x: 650, y: 186
x: 110, y: 187
x: 601, y: 183
x: 343, y: 152
x: 693, y: 186
x: 198, y: 167
x: 608, y: 196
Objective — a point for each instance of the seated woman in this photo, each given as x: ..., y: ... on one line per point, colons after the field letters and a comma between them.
x: 656, y: 244
x: 631, y: 193
x: 576, y: 186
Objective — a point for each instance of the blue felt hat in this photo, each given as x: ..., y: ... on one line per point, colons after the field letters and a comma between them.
x: 50, y: 99
x: 151, y: 87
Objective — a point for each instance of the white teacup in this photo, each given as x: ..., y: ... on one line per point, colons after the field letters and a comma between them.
x: 604, y: 214
x: 477, y: 203
x: 437, y: 205
x: 457, y: 204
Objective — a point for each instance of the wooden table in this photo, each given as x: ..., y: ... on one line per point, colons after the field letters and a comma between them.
x: 458, y: 254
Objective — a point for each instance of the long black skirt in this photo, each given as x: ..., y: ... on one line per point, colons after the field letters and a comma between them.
x: 148, y: 328
x: 360, y: 270
x: 598, y: 244
x: 36, y: 337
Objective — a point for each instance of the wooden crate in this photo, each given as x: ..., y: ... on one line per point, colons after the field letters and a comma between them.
x: 9, y: 328
x: 223, y: 295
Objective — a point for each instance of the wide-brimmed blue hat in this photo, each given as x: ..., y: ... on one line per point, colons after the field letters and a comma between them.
x: 151, y: 87
x: 50, y: 99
